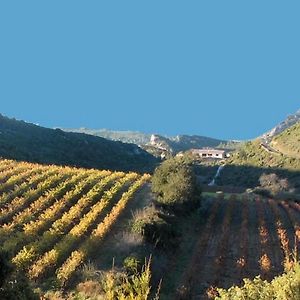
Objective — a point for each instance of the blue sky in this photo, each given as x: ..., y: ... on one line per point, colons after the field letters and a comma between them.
x: 227, y: 69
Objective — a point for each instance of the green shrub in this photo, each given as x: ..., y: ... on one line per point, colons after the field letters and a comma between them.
x: 175, y: 185
x: 149, y: 222
x: 131, y: 264
x: 119, y: 286
x: 284, y: 287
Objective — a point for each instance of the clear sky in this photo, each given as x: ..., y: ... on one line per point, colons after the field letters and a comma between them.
x: 226, y: 69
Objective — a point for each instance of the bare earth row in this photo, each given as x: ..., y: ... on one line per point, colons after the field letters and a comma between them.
x: 241, y: 238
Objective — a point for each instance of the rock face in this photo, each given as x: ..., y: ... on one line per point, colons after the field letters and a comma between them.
x: 169, y: 144
x: 160, y: 142
x: 288, y: 122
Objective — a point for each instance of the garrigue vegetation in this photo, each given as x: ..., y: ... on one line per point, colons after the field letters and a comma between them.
x: 246, y: 165
x: 286, y: 286
x: 28, y: 142
x: 253, y: 154
x: 288, y: 142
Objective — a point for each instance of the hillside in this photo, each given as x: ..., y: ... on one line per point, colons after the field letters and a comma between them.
x: 28, y: 142
x: 132, y: 137
x: 63, y: 226
x: 184, y: 142
x: 288, y: 122
x: 155, y: 142
x: 288, y: 142
x: 242, y: 237
x: 52, y: 218
x: 246, y: 165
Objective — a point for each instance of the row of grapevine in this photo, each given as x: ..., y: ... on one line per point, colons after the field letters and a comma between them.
x: 294, y: 217
x: 46, y: 200
x: 61, y: 249
x: 32, y: 251
x: 39, y: 222
x: 44, y: 182
x: 264, y: 261
x: 188, y: 275
x: 78, y: 256
x: 223, y: 243
x: 62, y: 205
x: 16, y: 184
x: 244, y: 239
x: 221, y: 257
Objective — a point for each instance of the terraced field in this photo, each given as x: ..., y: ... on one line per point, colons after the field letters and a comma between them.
x: 241, y: 238
x: 52, y: 218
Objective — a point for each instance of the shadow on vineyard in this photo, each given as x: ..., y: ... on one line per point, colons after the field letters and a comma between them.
x: 71, y: 231
x: 237, y: 178
x: 243, y: 237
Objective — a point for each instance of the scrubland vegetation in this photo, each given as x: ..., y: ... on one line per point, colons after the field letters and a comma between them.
x: 288, y: 142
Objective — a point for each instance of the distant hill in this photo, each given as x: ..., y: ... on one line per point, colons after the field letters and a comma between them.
x: 155, y: 143
x: 277, y: 151
x: 279, y: 154
x: 288, y: 122
x: 187, y: 142
x: 133, y: 137
x: 28, y: 142
x: 288, y: 142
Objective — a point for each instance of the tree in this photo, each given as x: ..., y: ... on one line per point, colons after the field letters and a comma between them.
x: 175, y: 185
x: 274, y: 184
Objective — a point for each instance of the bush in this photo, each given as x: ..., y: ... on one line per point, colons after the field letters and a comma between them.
x: 131, y: 265
x: 175, y: 185
x: 152, y: 226
x: 271, y: 185
x: 286, y: 286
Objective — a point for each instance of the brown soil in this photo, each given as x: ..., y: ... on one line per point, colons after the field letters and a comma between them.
x: 228, y: 236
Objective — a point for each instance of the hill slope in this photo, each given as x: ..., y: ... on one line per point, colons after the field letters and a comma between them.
x: 279, y: 155
x: 171, y: 144
x: 241, y: 237
x: 288, y: 142
x: 288, y: 122
x: 52, y: 218
x: 28, y: 142
x: 184, y: 142
x: 133, y: 137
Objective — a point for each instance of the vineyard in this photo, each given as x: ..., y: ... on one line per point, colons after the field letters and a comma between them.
x: 240, y: 238
x: 53, y: 218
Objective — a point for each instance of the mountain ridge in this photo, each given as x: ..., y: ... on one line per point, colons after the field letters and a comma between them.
x: 21, y: 140
x: 289, y: 121
x: 171, y: 144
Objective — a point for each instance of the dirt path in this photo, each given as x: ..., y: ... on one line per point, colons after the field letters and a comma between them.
x: 118, y: 244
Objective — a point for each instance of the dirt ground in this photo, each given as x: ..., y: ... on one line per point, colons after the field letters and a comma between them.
x: 239, y: 239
